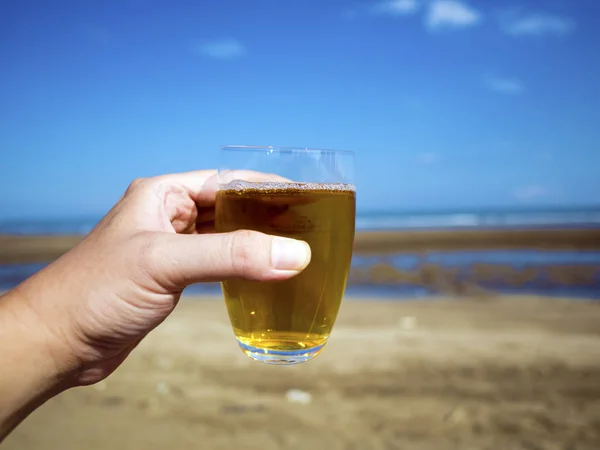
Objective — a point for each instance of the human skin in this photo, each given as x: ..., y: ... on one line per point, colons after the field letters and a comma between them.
x: 74, y: 322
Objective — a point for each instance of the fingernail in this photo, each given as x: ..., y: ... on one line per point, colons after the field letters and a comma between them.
x: 289, y: 254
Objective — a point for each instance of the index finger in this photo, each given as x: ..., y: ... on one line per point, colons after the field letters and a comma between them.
x: 196, y: 183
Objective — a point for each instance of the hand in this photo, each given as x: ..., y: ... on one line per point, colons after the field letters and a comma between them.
x: 98, y: 301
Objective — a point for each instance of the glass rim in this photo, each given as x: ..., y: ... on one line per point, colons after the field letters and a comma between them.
x: 279, y: 148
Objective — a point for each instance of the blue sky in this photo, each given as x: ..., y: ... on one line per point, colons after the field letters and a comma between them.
x: 447, y: 103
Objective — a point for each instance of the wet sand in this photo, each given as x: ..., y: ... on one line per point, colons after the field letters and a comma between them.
x: 34, y: 249
x: 430, y: 374
x: 26, y: 249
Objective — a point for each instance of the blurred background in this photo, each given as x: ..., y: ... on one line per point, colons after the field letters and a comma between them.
x: 471, y: 319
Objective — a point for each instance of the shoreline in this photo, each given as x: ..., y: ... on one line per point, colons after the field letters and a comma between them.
x: 20, y: 249
x: 464, y: 263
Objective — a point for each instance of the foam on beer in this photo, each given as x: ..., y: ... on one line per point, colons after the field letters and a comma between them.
x: 271, y: 186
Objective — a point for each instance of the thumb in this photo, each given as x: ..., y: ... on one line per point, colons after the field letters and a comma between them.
x: 180, y: 260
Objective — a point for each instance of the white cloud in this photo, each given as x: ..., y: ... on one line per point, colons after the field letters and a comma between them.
x: 532, y: 192
x: 504, y: 85
x: 451, y: 14
x: 428, y: 159
x: 396, y: 7
x: 221, y: 49
x: 539, y: 24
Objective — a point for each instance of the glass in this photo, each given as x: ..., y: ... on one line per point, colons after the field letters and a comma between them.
x: 300, y: 193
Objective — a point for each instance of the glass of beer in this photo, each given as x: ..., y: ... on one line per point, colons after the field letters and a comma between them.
x: 300, y: 193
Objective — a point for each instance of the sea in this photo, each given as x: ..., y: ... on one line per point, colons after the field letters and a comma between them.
x: 460, y: 262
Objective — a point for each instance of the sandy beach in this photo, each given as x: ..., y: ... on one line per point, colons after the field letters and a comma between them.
x: 429, y: 374
x: 470, y: 369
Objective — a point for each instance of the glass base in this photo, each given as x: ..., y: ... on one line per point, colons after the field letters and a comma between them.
x: 280, y: 357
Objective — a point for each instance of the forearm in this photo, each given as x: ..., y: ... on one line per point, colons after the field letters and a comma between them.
x: 29, y: 373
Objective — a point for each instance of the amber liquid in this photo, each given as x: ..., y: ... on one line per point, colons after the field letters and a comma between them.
x: 295, y: 314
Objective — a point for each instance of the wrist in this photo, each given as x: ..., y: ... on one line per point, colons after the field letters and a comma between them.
x: 34, y: 365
